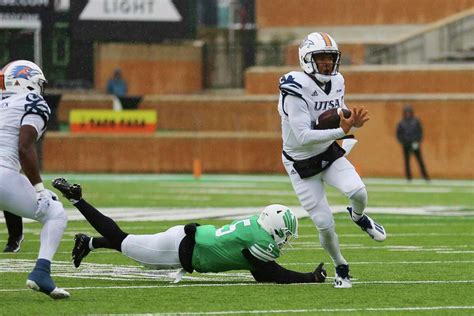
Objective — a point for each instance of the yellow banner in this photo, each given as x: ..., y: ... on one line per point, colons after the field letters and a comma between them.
x: 109, y: 121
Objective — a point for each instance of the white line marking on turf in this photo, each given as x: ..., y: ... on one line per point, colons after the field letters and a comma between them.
x: 239, y: 178
x: 387, y: 262
x: 110, y: 272
x: 252, y: 283
x: 325, y: 310
x: 134, y: 214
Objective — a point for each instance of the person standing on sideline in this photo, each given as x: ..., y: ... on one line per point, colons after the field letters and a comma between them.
x: 24, y: 116
x: 312, y: 157
x: 410, y: 135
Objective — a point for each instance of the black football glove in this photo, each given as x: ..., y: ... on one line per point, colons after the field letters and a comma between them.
x: 320, y: 273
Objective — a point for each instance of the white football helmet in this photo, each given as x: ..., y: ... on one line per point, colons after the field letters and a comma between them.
x: 22, y: 76
x: 280, y: 222
x: 318, y: 43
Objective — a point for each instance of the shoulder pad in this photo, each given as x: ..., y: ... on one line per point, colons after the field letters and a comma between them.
x: 35, y: 104
x: 340, y: 77
x: 291, y: 84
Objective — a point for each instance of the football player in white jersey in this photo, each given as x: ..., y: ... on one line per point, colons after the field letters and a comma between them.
x: 23, y: 118
x: 312, y: 157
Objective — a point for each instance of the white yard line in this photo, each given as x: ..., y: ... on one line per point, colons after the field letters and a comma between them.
x: 251, y: 283
x: 240, y: 178
x: 111, y: 272
x: 134, y: 214
x: 325, y: 310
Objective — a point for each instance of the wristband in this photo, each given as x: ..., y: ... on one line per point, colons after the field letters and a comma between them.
x: 39, y: 187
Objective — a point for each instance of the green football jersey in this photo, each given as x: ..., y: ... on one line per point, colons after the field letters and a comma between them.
x: 220, y: 249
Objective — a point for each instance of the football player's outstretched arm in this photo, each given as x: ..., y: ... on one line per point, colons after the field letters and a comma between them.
x: 27, y: 153
x: 271, y: 271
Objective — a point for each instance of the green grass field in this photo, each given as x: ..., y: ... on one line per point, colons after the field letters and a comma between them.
x: 425, y: 267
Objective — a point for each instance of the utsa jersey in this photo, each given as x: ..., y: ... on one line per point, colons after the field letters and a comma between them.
x: 301, y: 102
x: 17, y: 110
x: 218, y: 250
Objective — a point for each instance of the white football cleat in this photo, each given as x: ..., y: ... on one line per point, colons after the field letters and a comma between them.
x: 342, y: 279
x: 56, y: 294
x: 371, y: 227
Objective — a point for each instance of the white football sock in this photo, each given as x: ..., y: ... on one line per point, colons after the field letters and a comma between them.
x: 330, y: 242
x: 51, y: 236
x: 358, y: 203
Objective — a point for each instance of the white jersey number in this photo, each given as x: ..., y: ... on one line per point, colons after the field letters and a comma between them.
x: 224, y: 231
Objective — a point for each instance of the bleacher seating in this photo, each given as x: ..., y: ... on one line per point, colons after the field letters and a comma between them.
x: 240, y: 133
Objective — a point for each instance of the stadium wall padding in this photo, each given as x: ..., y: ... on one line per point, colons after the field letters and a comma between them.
x: 377, y: 79
x: 217, y: 113
x: 151, y: 68
x: 297, y: 13
x: 81, y: 102
x: 448, y: 145
x: 352, y: 54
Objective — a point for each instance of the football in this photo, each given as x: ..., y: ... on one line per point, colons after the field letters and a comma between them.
x: 330, y: 118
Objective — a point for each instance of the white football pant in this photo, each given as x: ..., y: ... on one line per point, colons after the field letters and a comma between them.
x: 18, y: 196
x: 312, y: 196
x: 159, y: 251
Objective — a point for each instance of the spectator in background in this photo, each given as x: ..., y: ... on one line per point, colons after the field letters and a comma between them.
x: 117, y: 85
x: 15, y: 232
x: 410, y: 135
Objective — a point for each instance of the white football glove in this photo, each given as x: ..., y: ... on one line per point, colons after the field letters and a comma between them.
x: 43, y: 198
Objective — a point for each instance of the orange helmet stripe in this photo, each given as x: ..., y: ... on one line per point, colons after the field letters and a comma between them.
x: 326, y: 39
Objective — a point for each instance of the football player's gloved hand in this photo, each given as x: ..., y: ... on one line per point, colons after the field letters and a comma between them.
x: 43, y: 198
x: 46, y: 195
x: 320, y: 273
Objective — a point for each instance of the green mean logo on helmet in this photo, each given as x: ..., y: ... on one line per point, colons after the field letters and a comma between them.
x: 290, y: 221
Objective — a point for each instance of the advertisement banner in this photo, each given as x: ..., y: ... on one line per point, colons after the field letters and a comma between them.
x: 110, y: 121
x: 132, y: 20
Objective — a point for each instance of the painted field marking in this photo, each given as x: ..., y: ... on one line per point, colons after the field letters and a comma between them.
x: 111, y: 272
x: 240, y: 178
x: 134, y: 214
x: 250, y: 283
x: 327, y: 310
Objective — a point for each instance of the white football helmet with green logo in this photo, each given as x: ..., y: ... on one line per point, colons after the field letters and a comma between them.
x: 280, y: 222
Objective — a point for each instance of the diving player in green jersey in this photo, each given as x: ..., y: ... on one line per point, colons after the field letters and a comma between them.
x: 249, y: 244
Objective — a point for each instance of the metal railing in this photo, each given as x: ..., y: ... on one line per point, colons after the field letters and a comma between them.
x: 432, y: 44
x: 225, y: 64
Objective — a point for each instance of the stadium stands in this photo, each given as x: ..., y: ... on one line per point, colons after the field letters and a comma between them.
x: 242, y: 145
x: 239, y: 132
x: 378, y: 79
